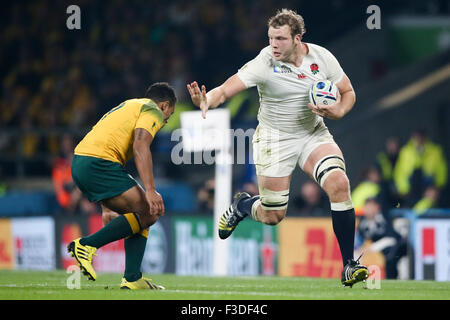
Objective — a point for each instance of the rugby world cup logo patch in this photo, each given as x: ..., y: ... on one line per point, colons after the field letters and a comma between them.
x: 281, y: 69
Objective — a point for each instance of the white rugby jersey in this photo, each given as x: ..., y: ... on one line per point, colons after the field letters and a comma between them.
x: 284, y: 88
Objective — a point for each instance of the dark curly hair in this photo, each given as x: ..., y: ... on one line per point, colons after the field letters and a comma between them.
x: 160, y: 92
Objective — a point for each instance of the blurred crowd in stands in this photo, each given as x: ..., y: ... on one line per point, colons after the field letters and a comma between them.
x: 60, y: 78
x: 57, y: 82
x: 409, y: 176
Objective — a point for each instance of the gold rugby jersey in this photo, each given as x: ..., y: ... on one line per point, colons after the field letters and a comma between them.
x: 112, y: 136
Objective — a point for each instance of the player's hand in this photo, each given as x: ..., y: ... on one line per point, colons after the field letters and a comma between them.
x: 198, y: 97
x: 333, y: 111
x: 155, y: 202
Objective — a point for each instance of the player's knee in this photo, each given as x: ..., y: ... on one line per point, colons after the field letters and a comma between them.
x: 337, y: 185
x: 272, y: 217
x: 146, y: 219
x: 329, y: 173
x: 273, y: 204
x: 107, y: 216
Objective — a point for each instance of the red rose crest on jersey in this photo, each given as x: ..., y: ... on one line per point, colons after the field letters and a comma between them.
x: 314, y: 68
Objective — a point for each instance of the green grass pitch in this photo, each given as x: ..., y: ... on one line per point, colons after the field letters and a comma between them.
x: 41, y: 285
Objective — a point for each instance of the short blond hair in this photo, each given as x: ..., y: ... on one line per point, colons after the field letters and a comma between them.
x: 289, y: 18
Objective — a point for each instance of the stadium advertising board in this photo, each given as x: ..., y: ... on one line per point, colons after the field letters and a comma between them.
x: 34, y: 243
x: 111, y: 257
x: 432, y: 249
x: 308, y: 248
x: 6, y: 245
x: 68, y: 228
x: 157, y: 256
x: 252, y: 247
x: 193, y: 244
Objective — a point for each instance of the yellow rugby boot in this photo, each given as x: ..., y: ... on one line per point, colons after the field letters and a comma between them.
x: 84, y: 255
x: 142, y: 283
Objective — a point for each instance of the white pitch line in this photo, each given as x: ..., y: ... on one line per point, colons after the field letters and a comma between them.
x: 208, y: 292
x: 252, y: 293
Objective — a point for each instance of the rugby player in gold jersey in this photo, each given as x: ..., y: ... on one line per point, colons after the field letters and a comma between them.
x: 128, y: 209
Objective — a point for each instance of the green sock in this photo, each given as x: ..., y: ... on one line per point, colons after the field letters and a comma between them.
x: 134, y: 253
x: 119, y: 228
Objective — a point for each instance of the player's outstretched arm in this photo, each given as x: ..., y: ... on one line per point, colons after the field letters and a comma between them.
x: 216, y: 96
x: 346, y: 101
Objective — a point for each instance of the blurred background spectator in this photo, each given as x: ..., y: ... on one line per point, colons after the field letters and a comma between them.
x: 251, y: 188
x: 429, y: 200
x: 375, y: 233
x: 205, y: 197
x: 62, y: 176
x: 385, y: 162
x: 311, y: 201
x: 3, y: 186
x: 369, y: 187
x: 67, y: 193
x: 421, y: 164
x: 387, y: 158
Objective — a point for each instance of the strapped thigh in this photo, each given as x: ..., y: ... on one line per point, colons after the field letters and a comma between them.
x: 273, y: 200
x: 325, y: 166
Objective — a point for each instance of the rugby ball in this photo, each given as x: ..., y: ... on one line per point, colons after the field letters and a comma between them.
x: 323, y: 92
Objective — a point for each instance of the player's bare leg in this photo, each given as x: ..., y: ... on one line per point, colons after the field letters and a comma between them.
x: 134, y: 252
x: 108, y: 215
x: 326, y: 166
x: 133, y: 218
x: 132, y: 200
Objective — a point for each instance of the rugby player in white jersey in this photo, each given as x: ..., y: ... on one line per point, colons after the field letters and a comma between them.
x: 291, y: 131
